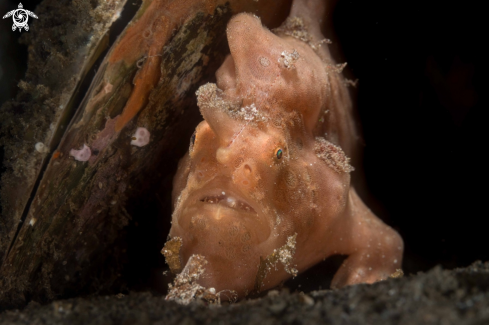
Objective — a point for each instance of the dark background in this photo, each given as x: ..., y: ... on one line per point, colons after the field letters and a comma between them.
x: 422, y: 101
x: 422, y: 71
x: 13, y: 57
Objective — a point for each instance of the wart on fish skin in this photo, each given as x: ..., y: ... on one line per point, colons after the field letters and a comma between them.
x: 260, y: 169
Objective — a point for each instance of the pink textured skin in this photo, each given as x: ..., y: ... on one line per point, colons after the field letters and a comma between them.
x: 268, y: 198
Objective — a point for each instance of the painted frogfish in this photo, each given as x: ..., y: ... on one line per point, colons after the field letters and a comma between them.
x: 264, y: 191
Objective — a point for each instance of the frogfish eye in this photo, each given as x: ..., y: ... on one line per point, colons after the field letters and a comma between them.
x: 278, y: 153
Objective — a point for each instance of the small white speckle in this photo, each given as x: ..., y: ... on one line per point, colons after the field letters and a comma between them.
x: 40, y: 147
x: 370, y: 269
x: 368, y: 255
x: 32, y: 222
x: 223, y: 193
x: 395, y: 261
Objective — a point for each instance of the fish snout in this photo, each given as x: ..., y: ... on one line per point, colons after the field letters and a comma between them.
x: 245, y: 175
x: 244, y: 172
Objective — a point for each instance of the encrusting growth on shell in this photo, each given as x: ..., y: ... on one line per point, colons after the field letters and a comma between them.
x: 141, y: 137
x: 41, y: 147
x: 81, y: 155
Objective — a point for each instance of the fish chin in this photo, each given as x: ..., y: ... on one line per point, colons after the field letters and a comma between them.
x: 228, y: 231
x: 223, y: 215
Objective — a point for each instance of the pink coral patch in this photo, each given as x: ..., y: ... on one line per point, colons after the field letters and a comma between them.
x: 141, y: 137
x: 81, y: 155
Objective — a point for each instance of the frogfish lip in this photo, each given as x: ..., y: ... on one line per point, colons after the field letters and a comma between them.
x: 222, y: 204
x: 228, y: 200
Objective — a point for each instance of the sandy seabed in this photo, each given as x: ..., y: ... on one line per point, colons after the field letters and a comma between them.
x: 459, y: 296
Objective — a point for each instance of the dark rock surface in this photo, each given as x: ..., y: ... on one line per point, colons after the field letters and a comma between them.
x: 459, y: 296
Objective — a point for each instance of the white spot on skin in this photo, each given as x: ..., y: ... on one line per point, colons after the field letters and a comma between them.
x: 141, y: 137
x: 395, y: 261
x: 264, y: 61
x: 32, y: 222
x: 81, y: 155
